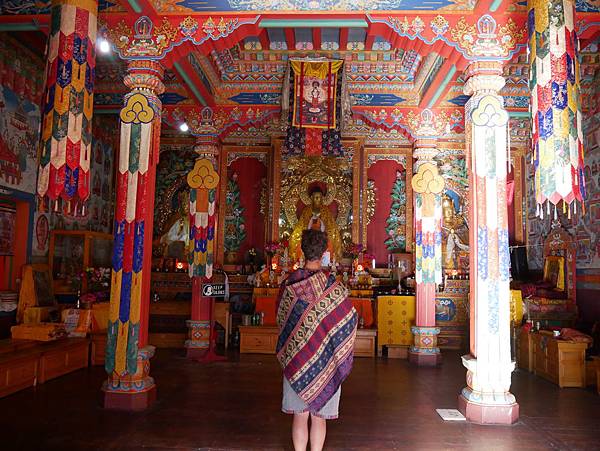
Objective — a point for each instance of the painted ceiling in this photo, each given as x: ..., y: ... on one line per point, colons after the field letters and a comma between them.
x: 388, y: 74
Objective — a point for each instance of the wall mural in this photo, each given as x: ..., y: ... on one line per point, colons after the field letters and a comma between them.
x: 21, y: 87
x: 396, y: 221
x: 235, y: 227
x: 171, y: 188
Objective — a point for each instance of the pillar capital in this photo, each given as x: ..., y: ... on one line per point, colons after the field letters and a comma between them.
x: 425, y: 151
x: 145, y: 75
x: 484, y: 77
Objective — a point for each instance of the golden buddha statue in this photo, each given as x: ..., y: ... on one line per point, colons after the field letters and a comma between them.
x: 317, y: 216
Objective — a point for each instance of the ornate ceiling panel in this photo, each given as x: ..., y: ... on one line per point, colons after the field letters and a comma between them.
x: 187, y: 6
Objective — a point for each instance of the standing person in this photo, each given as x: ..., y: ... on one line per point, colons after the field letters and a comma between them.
x: 317, y: 327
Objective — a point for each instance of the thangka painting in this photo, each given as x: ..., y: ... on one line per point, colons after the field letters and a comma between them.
x: 319, y: 140
x: 315, y: 93
x: 8, y: 217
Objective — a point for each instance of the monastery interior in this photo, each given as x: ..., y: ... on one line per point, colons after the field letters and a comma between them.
x: 160, y: 159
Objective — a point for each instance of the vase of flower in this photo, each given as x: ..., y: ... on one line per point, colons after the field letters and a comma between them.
x: 231, y: 257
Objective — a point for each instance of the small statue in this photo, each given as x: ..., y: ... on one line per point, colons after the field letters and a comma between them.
x: 345, y: 277
x: 272, y: 277
x: 285, y: 260
x: 261, y: 276
x: 334, y: 267
x: 281, y: 277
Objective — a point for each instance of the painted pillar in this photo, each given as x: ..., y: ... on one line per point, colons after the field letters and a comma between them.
x: 203, y: 181
x: 486, y: 398
x: 66, y: 143
x: 428, y: 186
x: 129, y: 385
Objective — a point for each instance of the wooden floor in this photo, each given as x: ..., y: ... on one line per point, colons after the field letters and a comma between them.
x: 235, y: 405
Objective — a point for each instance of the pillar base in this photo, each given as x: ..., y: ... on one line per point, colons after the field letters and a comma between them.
x: 488, y: 413
x: 131, y: 392
x: 425, y: 351
x: 132, y: 402
x: 425, y: 359
x: 198, y: 338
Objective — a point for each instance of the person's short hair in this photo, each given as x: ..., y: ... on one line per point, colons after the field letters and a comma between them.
x: 314, y: 244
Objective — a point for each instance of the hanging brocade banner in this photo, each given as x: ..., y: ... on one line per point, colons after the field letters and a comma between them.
x: 555, y: 104
x: 66, y: 137
x: 428, y: 186
x: 203, y: 181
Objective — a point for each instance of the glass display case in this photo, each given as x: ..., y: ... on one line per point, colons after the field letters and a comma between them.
x: 79, y: 260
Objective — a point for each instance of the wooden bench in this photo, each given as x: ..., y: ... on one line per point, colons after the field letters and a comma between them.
x: 25, y: 363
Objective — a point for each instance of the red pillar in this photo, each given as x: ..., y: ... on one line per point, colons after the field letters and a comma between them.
x: 129, y: 385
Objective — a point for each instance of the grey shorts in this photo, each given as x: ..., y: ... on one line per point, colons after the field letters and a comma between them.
x: 292, y: 403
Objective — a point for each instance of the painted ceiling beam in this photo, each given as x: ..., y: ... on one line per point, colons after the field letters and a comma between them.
x: 135, y: 6
x: 343, y: 38
x: 441, y: 88
x: 312, y: 23
x: 441, y: 81
x: 290, y: 38
x: 263, y: 37
x: 192, y: 82
x: 316, y: 38
x: 495, y: 5
x: 370, y: 39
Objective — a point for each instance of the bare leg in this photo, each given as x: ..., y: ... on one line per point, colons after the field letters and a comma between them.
x: 318, y: 429
x: 300, y: 431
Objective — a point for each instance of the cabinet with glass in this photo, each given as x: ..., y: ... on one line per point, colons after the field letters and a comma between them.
x: 80, y: 261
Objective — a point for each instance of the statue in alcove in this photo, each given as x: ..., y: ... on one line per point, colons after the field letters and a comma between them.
x: 455, y: 233
x: 317, y: 216
x: 316, y: 193
x: 174, y: 242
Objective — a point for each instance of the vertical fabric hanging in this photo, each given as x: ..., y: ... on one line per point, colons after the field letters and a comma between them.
x: 555, y: 103
x: 66, y: 138
x: 203, y: 181
x: 428, y: 186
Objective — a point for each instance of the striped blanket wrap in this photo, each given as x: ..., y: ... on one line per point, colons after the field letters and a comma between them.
x: 317, y: 326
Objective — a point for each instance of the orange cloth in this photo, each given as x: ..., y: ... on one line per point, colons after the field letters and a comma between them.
x: 266, y: 305
x: 364, y: 308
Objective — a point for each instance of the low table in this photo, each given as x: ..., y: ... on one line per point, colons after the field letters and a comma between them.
x: 364, y: 345
x: 263, y: 340
x: 258, y: 339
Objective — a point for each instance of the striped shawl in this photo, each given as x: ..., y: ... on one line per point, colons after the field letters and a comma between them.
x: 317, y: 326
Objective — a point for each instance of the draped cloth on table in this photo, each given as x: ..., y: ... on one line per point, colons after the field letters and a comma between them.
x: 317, y: 330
